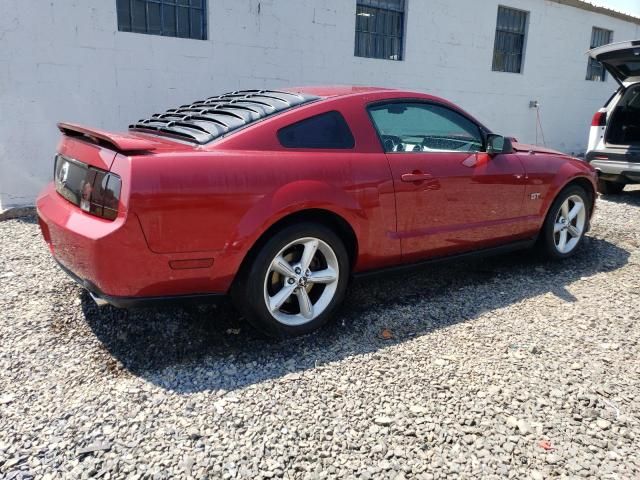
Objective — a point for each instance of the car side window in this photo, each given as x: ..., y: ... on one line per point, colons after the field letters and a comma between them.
x: 327, y: 130
x: 424, y: 127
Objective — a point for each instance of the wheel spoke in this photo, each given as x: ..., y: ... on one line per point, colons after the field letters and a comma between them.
x: 562, y: 242
x: 575, y: 232
x: 310, y: 248
x: 565, y: 209
x: 577, y: 208
x: 283, y: 267
x: 306, y: 307
x: 279, y: 298
x: 328, y: 275
x: 558, y: 227
x: 292, y: 277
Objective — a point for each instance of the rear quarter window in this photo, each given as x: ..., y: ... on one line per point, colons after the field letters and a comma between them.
x: 325, y: 131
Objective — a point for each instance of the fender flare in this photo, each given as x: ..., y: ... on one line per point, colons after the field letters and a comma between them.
x: 292, y: 198
x: 558, y: 186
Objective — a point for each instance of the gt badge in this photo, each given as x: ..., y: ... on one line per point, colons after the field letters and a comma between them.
x: 535, y: 196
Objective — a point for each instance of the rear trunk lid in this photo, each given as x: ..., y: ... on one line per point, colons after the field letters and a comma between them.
x: 82, y: 168
x: 98, y: 148
x: 622, y: 61
x: 123, y: 142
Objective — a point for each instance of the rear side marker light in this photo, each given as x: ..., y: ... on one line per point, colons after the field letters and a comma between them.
x: 193, y: 263
x: 599, y: 119
x: 44, y: 228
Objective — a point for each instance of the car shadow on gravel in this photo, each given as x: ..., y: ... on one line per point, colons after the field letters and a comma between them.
x: 208, y: 347
x: 627, y: 197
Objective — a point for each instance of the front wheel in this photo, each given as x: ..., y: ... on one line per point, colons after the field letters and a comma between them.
x: 566, y: 223
x: 295, y: 282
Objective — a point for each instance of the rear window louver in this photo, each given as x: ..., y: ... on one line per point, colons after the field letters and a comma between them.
x: 205, y: 120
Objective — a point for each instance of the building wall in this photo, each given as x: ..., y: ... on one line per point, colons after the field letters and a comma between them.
x: 65, y: 60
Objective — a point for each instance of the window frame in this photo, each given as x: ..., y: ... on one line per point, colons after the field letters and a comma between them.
x: 162, y: 4
x: 524, y: 34
x: 484, y: 131
x: 379, y: 5
x: 591, y: 63
x: 306, y: 119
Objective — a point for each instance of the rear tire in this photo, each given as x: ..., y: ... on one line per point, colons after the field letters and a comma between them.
x: 295, y: 282
x: 566, y: 223
x: 606, y: 187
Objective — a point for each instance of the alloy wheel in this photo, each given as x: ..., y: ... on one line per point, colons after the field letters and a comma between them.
x: 301, y: 281
x: 569, y: 224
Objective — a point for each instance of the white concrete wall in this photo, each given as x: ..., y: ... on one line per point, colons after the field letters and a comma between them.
x: 65, y: 60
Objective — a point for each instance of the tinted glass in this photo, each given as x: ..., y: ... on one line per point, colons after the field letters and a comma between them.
x: 422, y: 127
x: 630, y: 69
x: 123, y: 8
x: 379, y: 29
x: 599, y: 37
x: 328, y: 130
x: 153, y: 19
x: 169, y: 20
x: 172, y: 18
x: 626, y: 62
x: 509, y: 43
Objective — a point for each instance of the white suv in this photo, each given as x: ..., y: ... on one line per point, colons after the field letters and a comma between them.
x: 614, y: 139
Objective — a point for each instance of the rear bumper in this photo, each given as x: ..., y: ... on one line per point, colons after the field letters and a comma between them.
x: 133, y: 302
x: 617, y: 170
x: 111, y: 259
x: 616, y: 166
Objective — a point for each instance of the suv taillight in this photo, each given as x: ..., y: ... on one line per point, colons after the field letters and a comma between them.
x: 95, y: 191
x: 599, y: 119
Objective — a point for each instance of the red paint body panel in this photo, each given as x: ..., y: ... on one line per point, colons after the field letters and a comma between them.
x: 113, y: 255
x: 182, y: 203
x: 91, y: 154
x: 469, y: 202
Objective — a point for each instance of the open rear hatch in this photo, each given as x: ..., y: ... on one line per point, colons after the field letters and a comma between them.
x: 624, y: 126
x: 622, y: 61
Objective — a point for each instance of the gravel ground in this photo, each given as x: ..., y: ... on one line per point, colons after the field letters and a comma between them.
x: 506, y: 367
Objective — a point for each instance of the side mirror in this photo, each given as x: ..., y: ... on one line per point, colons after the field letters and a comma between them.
x: 497, y: 144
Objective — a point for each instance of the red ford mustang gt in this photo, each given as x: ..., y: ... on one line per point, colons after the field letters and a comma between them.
x: 279, y: 197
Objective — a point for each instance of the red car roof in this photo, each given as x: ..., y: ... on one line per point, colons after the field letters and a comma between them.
x: 333, y: 91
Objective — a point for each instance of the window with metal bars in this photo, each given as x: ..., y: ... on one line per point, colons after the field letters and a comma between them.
x: 170, y: 18
x: 595, y: 70
x: 508, y: 50
x: 380, y: 29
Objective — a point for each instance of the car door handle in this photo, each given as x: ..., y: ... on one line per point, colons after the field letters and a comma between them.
x: 416, y: 177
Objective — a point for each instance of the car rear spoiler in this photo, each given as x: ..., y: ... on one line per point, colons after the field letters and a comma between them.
x: 119, y: 142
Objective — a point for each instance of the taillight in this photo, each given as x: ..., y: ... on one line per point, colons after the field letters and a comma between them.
x: 95, y: 191
x: 105, y: 195
x: 599, y: 119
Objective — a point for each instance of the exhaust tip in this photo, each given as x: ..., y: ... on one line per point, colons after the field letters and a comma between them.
x: 100, y: 302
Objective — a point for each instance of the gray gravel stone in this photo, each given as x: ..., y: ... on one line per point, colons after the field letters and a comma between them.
x: 383, y: 421
x: 489, y: 358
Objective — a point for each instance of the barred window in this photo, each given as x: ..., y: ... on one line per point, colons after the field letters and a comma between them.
x: 170, y: 18
x: 380, y: 29
x: 508, y: 50
x: 595, y: 70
